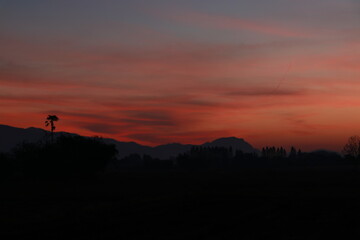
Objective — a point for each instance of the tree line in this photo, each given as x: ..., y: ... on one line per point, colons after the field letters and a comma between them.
x: 68, y: 156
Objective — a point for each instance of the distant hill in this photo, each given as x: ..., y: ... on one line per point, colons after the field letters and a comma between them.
x: 11, y: 136
x: 233, y: 142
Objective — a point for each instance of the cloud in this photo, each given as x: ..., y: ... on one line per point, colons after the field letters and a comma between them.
x: 238, y: 24
x: 188, y: 91
x: 102, y: 128
x: 147, y: 114
x: 277, y: 91
x: 47, y: 99
x: 140, y: 122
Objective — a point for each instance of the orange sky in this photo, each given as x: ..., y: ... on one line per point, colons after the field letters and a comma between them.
x: 274, y: 74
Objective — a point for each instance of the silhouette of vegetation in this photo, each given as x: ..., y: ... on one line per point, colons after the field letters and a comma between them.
x: 212, y: 158
x: 273, y: 153
x: 321, y: 158
x: 132, y: 161
x: 242, y: 159
x: 67, y: 156
x: 136, y: 161
x: 6, y: 166
x: 155, y: 163
x: 293, y: 153
x: 70, y: 156
x: 50, y: 122
x: 205, y: 158
x: 207, y: 192
x: 351, y: 149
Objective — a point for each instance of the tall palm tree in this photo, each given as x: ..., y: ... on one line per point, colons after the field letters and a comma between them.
x: 50, y: 121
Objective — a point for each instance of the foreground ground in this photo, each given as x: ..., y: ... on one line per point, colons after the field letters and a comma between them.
x: 251, y: 204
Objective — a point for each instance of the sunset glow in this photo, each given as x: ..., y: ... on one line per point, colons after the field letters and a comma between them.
x: 272, y: 72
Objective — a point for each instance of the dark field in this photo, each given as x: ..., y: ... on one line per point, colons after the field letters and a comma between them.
x: 252, y: 204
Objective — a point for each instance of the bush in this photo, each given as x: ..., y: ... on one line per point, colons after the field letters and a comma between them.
x: 67, y: 156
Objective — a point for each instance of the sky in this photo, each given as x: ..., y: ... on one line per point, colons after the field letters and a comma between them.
x: 280, y: 72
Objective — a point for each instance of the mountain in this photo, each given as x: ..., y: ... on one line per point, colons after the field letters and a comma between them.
x: 11, y: 136
x: 233, y: 142
x: 169, y: 150
x: 127, y: 148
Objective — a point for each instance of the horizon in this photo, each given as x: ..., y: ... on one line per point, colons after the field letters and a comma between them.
x: 276, y: 73
x: 258, y: 148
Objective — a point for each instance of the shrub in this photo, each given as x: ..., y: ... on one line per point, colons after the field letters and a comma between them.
x: 67, y: 156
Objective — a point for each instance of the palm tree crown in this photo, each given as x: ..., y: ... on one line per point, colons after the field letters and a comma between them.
x: 50, y: 121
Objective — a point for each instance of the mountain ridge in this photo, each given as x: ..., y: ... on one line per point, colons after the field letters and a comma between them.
x: 11, y: 136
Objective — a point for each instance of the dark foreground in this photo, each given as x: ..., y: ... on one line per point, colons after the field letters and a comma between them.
x: 252, y: 204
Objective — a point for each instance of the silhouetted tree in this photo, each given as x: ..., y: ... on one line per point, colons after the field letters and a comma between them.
x: 155, y: 163
x: 242, y: 159
x: 351, y: 149
x: 67, y: 156
x: 133, y: 160
x: 293, y: 153
x: 299, y: 153
x: 281, y: 152
x: 205, y: 158
x: 50, y: 121
x: 271, y: 153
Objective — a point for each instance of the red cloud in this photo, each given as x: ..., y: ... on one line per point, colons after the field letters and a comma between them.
x: 189, y: 93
